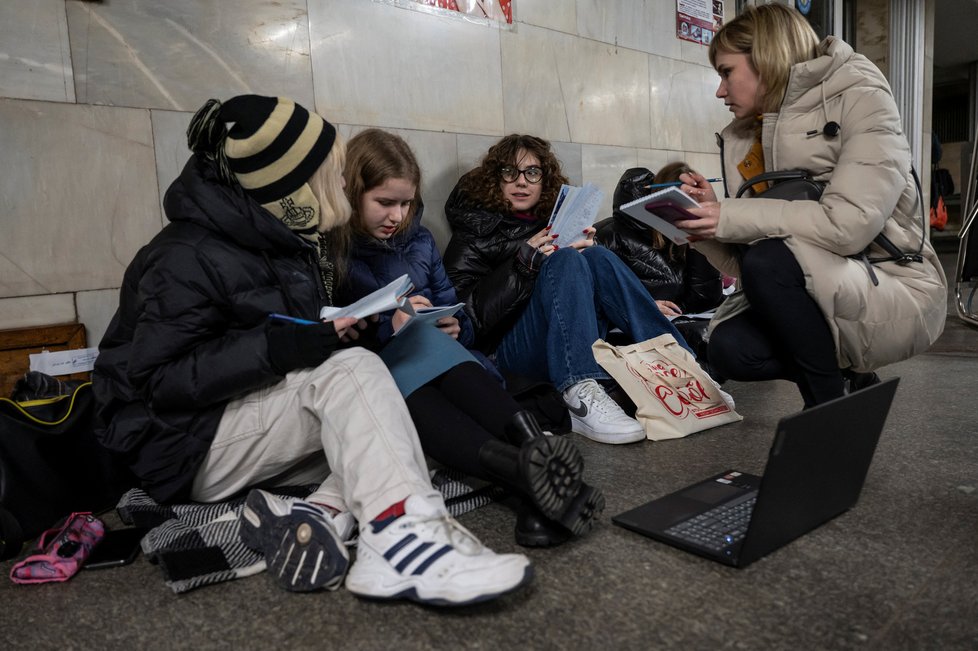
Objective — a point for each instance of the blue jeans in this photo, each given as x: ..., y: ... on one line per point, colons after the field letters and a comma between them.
x: 577, y: 297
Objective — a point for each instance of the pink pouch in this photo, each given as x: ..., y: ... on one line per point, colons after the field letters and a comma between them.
x: 61, y: 551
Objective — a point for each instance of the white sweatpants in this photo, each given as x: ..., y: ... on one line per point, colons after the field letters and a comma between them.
x: 348, y: 408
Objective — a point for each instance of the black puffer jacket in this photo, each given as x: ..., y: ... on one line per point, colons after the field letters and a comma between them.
x: 189, y: 334
x: 691, y: 283
x: 482, y: 262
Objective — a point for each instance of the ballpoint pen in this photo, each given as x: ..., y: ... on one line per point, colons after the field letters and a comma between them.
x: 292, y: 319
x: 676, y: 184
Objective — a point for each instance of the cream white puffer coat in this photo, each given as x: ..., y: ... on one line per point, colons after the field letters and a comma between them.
x: 869, y: 189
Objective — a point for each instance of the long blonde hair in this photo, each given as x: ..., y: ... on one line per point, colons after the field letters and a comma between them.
x: 774, y: 37
x: 334, y: 208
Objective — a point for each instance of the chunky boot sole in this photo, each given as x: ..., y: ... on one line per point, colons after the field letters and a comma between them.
x: 586, y: 506
x: 552, y: 468
x: 302, y: 552
x: 533, y: 530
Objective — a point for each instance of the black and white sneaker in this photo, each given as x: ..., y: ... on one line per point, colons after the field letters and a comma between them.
x: 302, y: 542
x: 595, y: 415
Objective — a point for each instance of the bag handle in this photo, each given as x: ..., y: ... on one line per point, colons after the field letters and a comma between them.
x: 775, y: 177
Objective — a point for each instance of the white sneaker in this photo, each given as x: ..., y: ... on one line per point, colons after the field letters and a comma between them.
x: 595, y: 415
x: 427, y: 556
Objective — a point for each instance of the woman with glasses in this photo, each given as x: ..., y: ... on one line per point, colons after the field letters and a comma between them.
x: 538, y: 308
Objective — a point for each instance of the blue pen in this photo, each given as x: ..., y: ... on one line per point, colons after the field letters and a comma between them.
x: 292, y: 319
x: 676, y: 184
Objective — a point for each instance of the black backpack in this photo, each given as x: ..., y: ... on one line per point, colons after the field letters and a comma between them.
x: 50, y: 463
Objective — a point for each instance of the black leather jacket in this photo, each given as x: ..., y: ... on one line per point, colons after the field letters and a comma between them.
x: 489, y: 266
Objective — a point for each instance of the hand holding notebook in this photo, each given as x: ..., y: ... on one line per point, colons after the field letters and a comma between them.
x: 661, y: 209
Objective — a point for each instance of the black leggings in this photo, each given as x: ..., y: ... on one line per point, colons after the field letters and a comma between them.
x: 784, y: 334
x: 457, y: 412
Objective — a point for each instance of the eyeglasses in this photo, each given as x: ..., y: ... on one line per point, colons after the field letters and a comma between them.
x: 532, y: 174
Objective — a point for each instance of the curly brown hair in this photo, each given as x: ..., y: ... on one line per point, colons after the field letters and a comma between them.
x: 483, y: 184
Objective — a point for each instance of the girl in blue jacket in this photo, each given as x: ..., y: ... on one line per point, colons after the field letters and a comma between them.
x: 464, y: 416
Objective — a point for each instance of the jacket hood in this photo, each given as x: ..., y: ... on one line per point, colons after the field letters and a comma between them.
x: 464, y: 214
x: 200, y: 197
x: 837, y: 69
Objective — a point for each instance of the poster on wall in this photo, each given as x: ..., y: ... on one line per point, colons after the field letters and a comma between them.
x: 698, y: 20
x: 498, y: 10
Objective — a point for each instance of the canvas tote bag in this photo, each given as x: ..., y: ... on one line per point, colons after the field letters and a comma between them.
x: 673, y: 395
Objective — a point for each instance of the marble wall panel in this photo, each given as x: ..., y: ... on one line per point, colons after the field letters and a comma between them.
x: 471, y: 149
x: 32, y: 311
x: 176, y: 54
x: 170, y: 145
x: 95, y: 310
x: 574, y: 90
x: 35, y: 59
x: 78, y: 199
x: 604, y: 166
x: 644, y: 25
x: 872, y: 32
x: 408, y: 70
x: 685, y: 112
x: 559, y: 16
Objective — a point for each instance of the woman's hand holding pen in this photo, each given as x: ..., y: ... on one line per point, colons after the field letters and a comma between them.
x: 704, y: 227
x: 697, y: 186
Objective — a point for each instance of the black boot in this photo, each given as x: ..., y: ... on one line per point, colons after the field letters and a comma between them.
x: 546, y: 470
x: 855, y: 381
x: 523, y: 427
x: 534, y: 530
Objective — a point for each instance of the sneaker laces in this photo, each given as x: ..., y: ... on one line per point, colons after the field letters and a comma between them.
x: 446, y: 527
x: 599, y: 400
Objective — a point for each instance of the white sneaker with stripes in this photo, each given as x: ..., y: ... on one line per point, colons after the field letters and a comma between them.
x: 426, y: 556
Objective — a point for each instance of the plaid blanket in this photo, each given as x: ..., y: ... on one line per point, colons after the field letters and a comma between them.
x: 197, y: 544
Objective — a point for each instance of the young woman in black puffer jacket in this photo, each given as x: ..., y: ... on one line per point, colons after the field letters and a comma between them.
x: 680, y: 279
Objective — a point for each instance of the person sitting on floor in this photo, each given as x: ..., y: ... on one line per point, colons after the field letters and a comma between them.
x: 538, y: 309
x: 208, y: 396
x: 465, y: 418
x: 679, y: 278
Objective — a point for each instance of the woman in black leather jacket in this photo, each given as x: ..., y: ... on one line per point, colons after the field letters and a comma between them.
x: 539, y: 309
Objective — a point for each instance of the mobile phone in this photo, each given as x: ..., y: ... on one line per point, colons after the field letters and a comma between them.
x: 118, y: 547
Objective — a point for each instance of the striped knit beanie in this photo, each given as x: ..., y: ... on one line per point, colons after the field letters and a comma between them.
x: 272, y: 149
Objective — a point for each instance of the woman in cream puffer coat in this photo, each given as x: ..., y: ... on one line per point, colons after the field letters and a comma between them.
x: 812, y: 303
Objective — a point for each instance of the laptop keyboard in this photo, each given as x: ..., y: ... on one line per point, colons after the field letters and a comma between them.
x: 719, y: 527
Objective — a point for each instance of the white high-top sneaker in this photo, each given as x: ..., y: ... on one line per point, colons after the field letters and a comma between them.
x: 426, y: 556
x: 595, y: 415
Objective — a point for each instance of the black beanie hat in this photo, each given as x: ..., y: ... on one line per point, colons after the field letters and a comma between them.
x: 272, y: 149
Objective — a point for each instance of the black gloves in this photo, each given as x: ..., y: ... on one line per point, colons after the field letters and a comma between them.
x: 297, y: 345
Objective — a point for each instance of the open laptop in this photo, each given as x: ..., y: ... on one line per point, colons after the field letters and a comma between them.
x: 815, y: 471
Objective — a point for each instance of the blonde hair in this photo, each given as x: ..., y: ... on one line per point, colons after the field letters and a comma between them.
x: 774, y: 37
x: 334, y: 208
x: 327, y: 185
x: 375, y: 157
